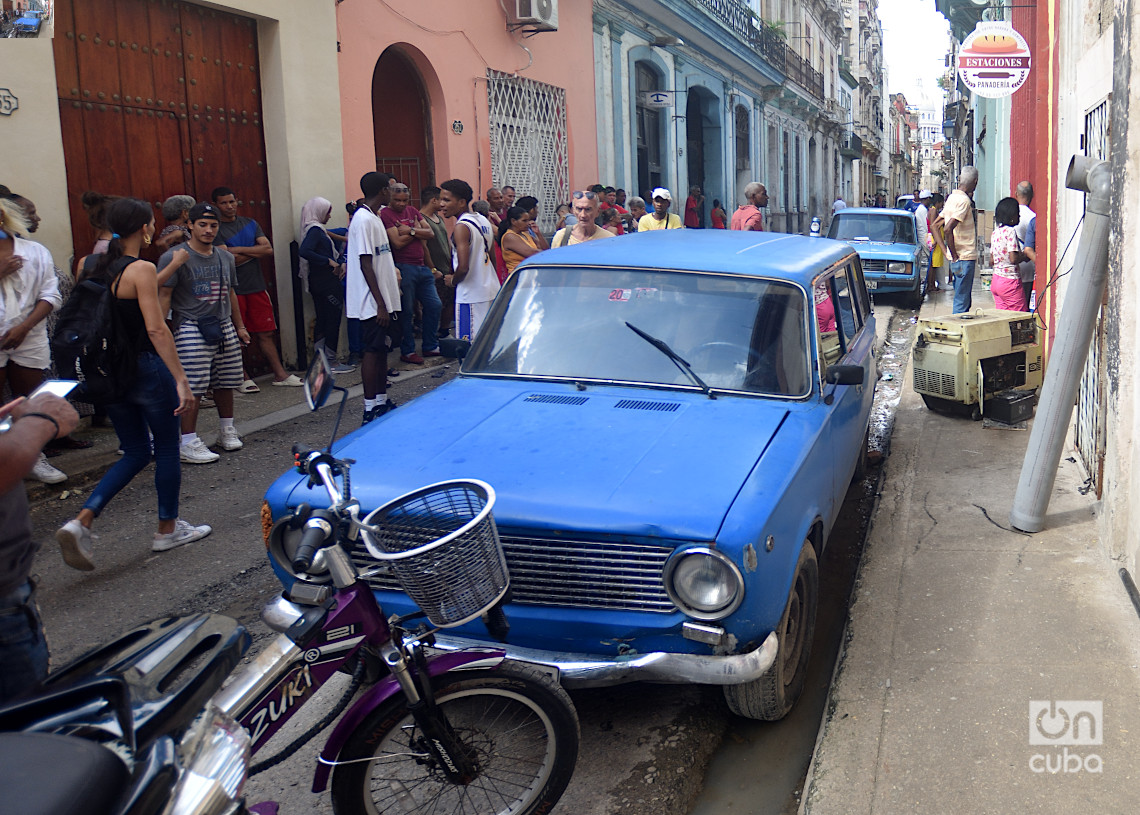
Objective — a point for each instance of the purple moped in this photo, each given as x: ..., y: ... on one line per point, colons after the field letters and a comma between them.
x: 450, y: 732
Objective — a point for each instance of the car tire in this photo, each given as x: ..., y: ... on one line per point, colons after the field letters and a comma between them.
x: 772, y: 696
x: 914, y: 298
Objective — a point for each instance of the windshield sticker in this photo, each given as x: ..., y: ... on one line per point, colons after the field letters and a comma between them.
x: 625, y: 295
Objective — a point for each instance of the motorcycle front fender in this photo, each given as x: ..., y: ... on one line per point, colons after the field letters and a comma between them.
x: 383, y: 690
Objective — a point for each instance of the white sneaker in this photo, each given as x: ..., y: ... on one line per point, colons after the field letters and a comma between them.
x: 74, y: 541
x: 42, y: 471
x: 291, y: 381
x: 183, y: 533
x: 196, y: 452
x: 229, y: 439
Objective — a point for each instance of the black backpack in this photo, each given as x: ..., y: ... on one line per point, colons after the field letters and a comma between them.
x: 91, y: 342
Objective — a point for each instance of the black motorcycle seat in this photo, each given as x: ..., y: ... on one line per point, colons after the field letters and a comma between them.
x: 48, y: 774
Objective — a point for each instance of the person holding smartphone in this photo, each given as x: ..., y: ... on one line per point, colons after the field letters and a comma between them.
x: 23, y: 649
x: 159, y: 395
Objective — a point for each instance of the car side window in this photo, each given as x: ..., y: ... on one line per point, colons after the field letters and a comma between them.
x: 849, y: 318
x: 862, y: 297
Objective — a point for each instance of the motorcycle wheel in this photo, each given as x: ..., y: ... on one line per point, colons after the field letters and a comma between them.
x: 519, y: 722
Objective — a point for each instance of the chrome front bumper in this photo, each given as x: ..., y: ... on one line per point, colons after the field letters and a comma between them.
x: 586, y: 671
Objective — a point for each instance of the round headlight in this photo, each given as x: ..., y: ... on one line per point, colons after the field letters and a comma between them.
x: 704, y: 583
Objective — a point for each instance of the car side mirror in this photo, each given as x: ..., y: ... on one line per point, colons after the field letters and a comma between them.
x: 453, y: 348
x: 846, y: 375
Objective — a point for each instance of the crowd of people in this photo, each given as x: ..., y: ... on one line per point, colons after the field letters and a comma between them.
x: 947, y: 227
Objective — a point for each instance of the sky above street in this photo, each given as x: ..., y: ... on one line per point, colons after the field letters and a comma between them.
x: 915, y: 41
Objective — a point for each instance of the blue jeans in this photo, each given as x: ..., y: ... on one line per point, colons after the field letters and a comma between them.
x: 962, y: 272
x: 417, y: 282
x: 150, y: 404
x: 23, y: 649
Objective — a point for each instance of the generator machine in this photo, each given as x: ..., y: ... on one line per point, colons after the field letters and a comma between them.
x: 962, y: 361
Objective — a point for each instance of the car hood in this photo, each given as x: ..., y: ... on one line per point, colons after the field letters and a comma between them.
x: 883, y: 250
x: 606, y: 460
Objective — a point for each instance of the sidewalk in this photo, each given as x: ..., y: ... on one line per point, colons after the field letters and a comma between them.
x: 959, y: 624
x: 252, y: 413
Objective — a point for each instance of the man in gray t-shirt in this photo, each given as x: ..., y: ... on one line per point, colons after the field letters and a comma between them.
x: 198, y: 282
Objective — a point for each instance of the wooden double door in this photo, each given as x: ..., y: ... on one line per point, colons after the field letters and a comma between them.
x: 159, y: 98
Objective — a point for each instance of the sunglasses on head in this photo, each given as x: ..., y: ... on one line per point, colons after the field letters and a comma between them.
x: 591, y: 196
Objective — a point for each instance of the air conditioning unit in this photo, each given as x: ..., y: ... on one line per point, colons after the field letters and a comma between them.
x: 961, y: 360
x: 539, y: 15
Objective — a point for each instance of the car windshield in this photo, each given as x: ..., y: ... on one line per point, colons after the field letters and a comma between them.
x: 737, y: 333
x: 883, y: 228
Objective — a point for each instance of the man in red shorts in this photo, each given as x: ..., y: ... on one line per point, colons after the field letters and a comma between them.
x: 248, y: 244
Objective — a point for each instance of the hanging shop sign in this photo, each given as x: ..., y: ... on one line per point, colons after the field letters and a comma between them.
x: 657, y: 99
x: 994, y: 60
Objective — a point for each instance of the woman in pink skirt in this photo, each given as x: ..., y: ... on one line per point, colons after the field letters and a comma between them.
x: 1005, y: 250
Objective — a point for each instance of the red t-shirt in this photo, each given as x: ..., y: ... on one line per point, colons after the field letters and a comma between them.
x: 620, y: 211
x: 413, y: 253
x: 692, y: 219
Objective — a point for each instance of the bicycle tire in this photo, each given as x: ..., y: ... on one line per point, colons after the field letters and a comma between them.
x: 516, y: 717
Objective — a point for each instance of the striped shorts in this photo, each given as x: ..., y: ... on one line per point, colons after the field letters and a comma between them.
x: 207, y: 366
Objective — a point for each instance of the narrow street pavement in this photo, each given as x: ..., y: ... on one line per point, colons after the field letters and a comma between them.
x: 644, y: 748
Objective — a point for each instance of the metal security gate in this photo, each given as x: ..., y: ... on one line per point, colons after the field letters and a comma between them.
x: 528, y: 141
x: 1090, y: 432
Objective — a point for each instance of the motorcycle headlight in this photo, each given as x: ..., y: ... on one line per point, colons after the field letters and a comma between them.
x: 898, y: 268
x: 215, y: 759
x: 703, y: 583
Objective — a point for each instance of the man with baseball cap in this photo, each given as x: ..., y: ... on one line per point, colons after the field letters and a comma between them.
x: 660, y: 218
x: 199, y: 288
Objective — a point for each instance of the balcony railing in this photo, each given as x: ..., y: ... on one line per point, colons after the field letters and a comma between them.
x: 801, y: 72
x: 735, y: 16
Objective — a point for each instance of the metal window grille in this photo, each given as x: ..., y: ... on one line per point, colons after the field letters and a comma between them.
x: 1090, y: 435
x: 528, y: 141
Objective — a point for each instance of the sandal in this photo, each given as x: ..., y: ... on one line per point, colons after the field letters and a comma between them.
x: 249, y: 386
x: 392, y: 372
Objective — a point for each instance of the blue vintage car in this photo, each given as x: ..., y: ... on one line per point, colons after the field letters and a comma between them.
x: 670, y: 421
x: 29, y: 23
x: 887, y: 243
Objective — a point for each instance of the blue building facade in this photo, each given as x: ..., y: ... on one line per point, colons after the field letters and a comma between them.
x: 709, y: 93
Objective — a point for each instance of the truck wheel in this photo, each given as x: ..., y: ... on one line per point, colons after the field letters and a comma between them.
x: 772, y: 696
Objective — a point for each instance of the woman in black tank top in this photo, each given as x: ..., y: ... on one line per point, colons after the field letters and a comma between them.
x: 146, y: 418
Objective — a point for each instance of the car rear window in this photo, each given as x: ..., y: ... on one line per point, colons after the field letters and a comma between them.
x: 737, y: 333
x: 881, y: 228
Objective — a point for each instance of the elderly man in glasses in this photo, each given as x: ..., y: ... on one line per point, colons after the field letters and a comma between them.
x: 585, y: 206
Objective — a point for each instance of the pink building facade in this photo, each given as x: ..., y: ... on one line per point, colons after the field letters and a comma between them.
x: 432, y: 90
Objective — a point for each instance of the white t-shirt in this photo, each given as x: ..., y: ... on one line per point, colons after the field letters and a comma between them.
x: 1027, y: 270
x: 838, y: 205
x: 367, y: 236
x: 481, y: 283
x: 920, y: 216
x: 22, y: 290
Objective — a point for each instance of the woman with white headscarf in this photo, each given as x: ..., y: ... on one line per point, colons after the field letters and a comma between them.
x: 322, y: 275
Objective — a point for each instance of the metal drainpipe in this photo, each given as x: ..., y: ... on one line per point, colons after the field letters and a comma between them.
x: 1074, y: 333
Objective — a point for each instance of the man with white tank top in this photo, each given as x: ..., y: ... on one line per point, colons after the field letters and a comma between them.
x: 474, y: 277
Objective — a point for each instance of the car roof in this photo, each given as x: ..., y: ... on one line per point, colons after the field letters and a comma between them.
x: 759, y: 254
x: 872, y: 211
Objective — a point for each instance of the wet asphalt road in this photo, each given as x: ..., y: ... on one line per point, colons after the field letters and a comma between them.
x: 645, y: 749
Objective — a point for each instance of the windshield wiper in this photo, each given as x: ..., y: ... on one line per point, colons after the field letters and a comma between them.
x: 664, y: 348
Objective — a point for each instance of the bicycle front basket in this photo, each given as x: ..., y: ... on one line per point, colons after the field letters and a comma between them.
x: 442, y: 545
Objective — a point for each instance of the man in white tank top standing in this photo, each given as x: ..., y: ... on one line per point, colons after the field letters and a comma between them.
x: 474, y: 277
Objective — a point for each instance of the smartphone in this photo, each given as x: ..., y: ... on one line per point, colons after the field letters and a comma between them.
x: 56, y: 387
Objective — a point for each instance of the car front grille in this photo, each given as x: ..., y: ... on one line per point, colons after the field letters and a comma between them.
x: 605, y: 575
x: 874, y: 266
